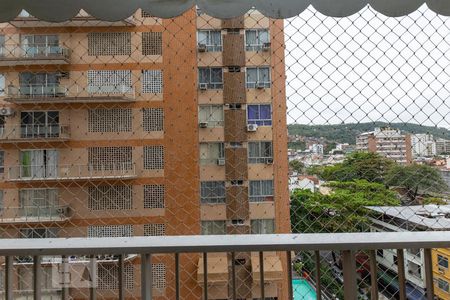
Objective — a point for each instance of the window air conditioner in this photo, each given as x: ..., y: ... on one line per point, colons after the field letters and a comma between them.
x: 252, y: 127
x: 203, y: 86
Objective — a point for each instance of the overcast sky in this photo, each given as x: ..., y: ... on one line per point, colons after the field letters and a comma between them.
x: 368, y: 67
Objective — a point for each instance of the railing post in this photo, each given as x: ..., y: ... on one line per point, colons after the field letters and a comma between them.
x: 37, y: 278
x: 205, y: 276
x: 373, y: 275
x: 233, y: 275
x: 289, y: 274
x: 318, y: 283
x: 261, y: 274
x: 9, y: 271
x: 177, y: 276
x: 428, y: 274
x: 93, y: 288
x: 121, y: 278
x: 146, y: 277
x: 401, y: 274
x: 349, y: 266
x: 65, y: 288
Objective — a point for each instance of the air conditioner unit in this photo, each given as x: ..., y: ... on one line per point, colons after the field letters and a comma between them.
x: 260, y: 85
x: 6, y: 111
x: 201, y: 47
x: 266, y: 46
x: 269, y: 161
x: 203, y: 86
x: 252, y: 127
x: 221, y: 161
x: 65, y: 75
x: 203, y: 124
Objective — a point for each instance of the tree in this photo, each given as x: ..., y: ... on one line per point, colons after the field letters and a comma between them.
x: 415, y: 180
x: 297, y: 166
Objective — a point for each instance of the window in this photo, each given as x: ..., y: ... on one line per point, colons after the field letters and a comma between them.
x: 255, y: 39
x: 261, y: 190
x: 258, y: 77
x: 211, y: 152
x: 97, y: 231
x: 152, y: 43
x: 442, y: 262
x: 39, y: 84
x: 263, y: 226
x: 152, y: 81
x: 443, y: 285
x: 2, y: 202
x: 153, y: 119
x: 108, y: 276
x: 2, y: 81
x: 39, y: 202
x: 212, y: 115
x: 154, y: 196
x: 213, y: 227
x: 154, y: 229
x: 259, y: 114
x: 109, y: 43
x: 259, y: 152
x: 212, y: 39
x: 2, y: 161
x: 110, y: 120
x: 110, y: 158
x: 40, y: 45
x: 39, y: 233
x: 35, y: 124
x: 2, y: 45
x: 154, y: 157
x: 110, y: 197
x: 212, y: 192
x: 38, y: 164
x: 159, y: 276
x: 211, y: 77
x: 109, y: 82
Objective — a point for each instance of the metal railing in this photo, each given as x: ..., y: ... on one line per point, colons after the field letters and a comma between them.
x: 71, y: 172
x: 27, y: 132
x: 35, y: 213
x: 35, y: 51
x: 146, y: 247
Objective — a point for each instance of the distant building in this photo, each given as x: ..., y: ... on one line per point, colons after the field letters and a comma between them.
x: 304, y: 182
x: 344, y: 148
x: 442, y: 146
x: 415, y: 218
x: 316, y: 149
x: 423, y: 145
x: 387, y: 141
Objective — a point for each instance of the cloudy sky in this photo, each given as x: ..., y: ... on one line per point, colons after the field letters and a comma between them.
x: 368, y: 67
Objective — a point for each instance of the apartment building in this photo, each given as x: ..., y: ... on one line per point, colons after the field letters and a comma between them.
x: 388, y: 142
x: 442, y: 146
x: 423, y: 145
x: 146, y: 127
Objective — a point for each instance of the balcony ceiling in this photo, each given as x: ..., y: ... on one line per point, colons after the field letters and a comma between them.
x: 115, y: 10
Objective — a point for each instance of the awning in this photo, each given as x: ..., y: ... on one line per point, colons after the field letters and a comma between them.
x: 115, y: 10
x: 273, y: 270
x: 217, y: 269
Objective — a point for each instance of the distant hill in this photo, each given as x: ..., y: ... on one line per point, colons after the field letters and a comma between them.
x: 346, y: 133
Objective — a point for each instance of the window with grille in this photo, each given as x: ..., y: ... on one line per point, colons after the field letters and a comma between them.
x: 443, y: 285
x: 259, y: 114
x: 154, y: 157
x: 98, y: 231
x: 39, y: 233
x: 152, y: 81
x: 109, y: 43
x: 110, y: 120
x: 262, y: 226
x: 260, y: 152
x: 154, y: 229
x: 2, y: 159
x: 110, y: 197
x: 212, y: 115
x: 255, y: 39
x: 159, y: 276
x: 210, y: 78
x: 152, y: 43
x: 110, y: 158
x: 213, y: 227
x: 108, y: 276
x: 109, y: 81
x: 261, y: 190
x: 442, y: 262
x: 212, y: 192
x: 210, y: 153
x: 258, y: 77
x: 2, y: 81
x: 211, y: 40
x: 153, y: 119
x: 154, y: 196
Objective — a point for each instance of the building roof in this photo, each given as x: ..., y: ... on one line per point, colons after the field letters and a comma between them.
x: 434, y: 217
x: 312, y: 178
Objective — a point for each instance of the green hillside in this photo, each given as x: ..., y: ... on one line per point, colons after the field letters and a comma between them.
x: 346, y: 133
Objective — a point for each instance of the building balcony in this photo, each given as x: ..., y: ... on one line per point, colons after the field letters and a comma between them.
x: 34, y: 133
x: 219, y: 262
x: 55, y: 93
x: 20, y: 55
x: 35, y: 214
x: 33, y: 173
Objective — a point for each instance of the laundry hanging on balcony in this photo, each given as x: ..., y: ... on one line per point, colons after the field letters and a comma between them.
x: 114, y: 10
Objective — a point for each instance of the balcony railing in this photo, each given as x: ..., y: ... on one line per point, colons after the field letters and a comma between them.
x: 146, y: 247
x: 21, y: 132
x: 71, y: 172
x: 56, y: 93
x: 34, y: 214
x: 33, y: 54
